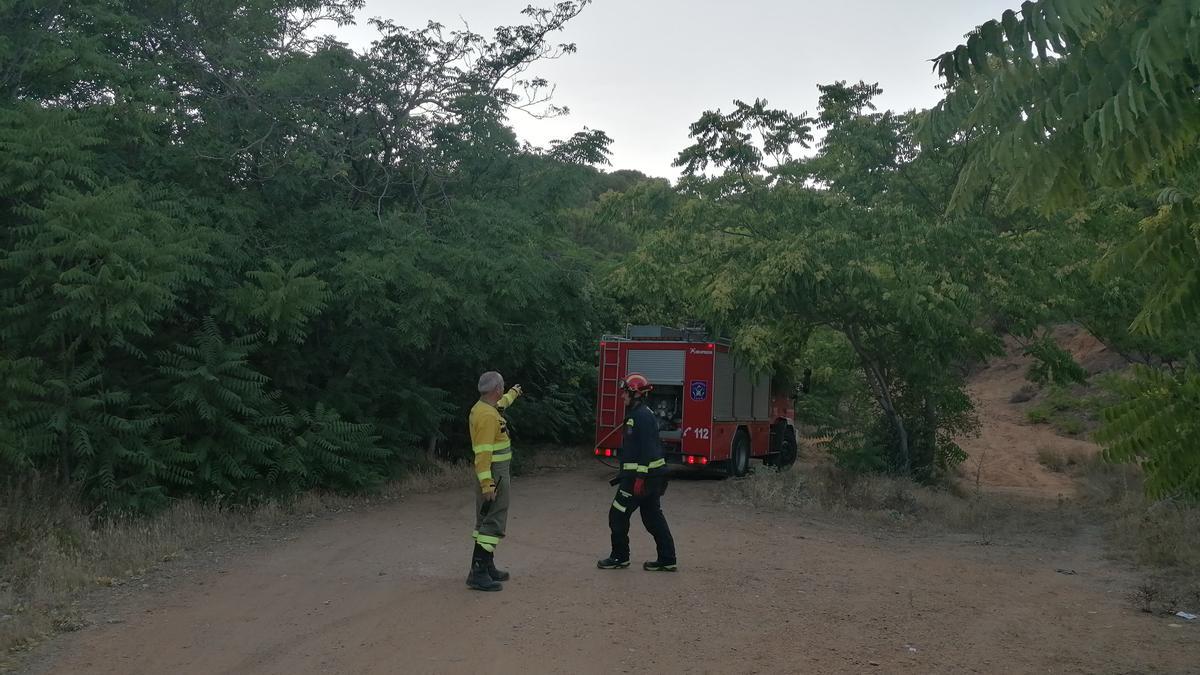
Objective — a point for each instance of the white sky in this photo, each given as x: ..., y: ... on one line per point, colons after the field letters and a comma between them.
x: 646, y: 69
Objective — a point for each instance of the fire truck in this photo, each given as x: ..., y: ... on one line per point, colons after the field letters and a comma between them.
x: 712, y: 411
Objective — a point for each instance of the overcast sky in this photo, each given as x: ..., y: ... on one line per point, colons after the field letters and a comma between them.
x: 646, y: 69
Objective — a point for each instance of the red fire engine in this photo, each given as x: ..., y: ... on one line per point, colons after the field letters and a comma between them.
x: 710, y: 409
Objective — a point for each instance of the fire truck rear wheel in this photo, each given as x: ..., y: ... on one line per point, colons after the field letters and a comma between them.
x: 787, y: 448
x: 739, y: 456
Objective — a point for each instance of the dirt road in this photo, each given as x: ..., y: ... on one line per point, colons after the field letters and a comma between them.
x: 382, y: 592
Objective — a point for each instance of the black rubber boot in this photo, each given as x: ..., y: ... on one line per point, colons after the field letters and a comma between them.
x: 656, y: 566
x: 495, y: 574
x: 611, y: 563
x: 479, y: 579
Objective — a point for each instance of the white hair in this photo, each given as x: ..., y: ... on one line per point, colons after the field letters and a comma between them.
x: 490, y: 381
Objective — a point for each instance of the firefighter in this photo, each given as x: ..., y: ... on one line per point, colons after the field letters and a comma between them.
x: 493, y: 452
x: 640, y: 482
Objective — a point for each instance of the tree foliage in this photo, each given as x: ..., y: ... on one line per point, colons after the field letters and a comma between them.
x: 848, y: 247
x: 239, y: 259
x: 1063, y: 100
x: 1068, y: 93
x: 1156, y: 425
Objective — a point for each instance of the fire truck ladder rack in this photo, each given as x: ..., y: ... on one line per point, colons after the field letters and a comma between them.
x: 691, y: 337
x: 610, y: 378
x: 610, y: 397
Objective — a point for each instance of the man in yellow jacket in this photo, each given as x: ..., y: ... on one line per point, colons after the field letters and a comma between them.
x: 493, y: 455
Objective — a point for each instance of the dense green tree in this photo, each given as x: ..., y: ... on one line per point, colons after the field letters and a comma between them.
x: 1066, y: 98
x: 240, y: 259
x: 848, y: 248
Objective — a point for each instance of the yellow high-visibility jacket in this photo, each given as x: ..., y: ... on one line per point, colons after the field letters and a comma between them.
x: 489, y: 437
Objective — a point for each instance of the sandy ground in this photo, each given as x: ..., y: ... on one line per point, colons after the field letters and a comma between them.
x: 383, y: 592
x: 1004, y: 455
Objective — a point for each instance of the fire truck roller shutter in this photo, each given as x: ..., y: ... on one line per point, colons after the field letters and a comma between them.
x: 662, y: 367
x: 762, y: 398
x: 743, y: 394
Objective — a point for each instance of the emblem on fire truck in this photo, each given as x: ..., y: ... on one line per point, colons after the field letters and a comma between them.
x: 699, y: 390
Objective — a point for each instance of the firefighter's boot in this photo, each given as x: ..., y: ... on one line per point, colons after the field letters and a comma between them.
x: 479, y: 579
x: 495, y: 574
x: 613, y: 563
x: 657, y: 566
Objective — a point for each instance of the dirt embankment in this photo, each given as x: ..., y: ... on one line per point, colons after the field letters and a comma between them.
x: 1004, y: 457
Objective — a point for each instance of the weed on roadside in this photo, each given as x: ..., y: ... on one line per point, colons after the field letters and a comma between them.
x: 53, y: 550
x: 890, y: 501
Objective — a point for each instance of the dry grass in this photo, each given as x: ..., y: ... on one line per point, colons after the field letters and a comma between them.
x: 52, y: 552
x: 1161, y: 537
x: 1027, y: 392
x: 1060, y: 461
x: 776, y: 490
x: 433, y: 478
x: 896, y: 502
x: 539, y: 459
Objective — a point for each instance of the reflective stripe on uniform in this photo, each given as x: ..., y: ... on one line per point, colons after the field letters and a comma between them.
x: 490, y: 548
x: 617, y: 506
x: 629, y: 466
x: 629, y: 422
x: 484, y: 475
x: 624, y: 493
x: 501, y: 456
x: 645, y: 468
x: 491, y: 447
x: 487, y: 539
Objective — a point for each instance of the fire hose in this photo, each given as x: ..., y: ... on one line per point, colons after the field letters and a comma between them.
x: 601, y: 458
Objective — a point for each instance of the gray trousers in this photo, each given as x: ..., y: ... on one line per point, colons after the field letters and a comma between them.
x: 492, y: 517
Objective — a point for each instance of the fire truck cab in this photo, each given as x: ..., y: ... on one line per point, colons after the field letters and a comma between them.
x: 711, y: 410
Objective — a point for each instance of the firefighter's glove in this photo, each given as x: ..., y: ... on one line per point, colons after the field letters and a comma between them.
x: 516, y: 389
x: 639, y: 487
x: 489, y: 495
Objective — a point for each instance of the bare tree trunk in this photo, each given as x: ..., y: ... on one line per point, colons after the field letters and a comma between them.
x: 64, y: 442
x: 431, y: 449
x: 64, y: 445
x: 931, y: 423
x: 882, y: 395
